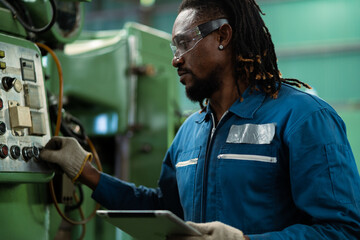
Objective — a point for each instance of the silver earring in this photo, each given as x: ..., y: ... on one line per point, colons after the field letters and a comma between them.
x: 221, y: 47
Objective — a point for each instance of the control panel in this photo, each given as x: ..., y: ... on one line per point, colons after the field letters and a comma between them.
x: 24, y: 121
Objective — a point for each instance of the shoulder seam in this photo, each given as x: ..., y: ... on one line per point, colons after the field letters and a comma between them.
x: 299, y: 122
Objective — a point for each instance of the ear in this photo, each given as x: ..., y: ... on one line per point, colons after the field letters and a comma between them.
x: 225, y: 35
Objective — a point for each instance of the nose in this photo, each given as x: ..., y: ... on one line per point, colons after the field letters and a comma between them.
x: 177, y: 61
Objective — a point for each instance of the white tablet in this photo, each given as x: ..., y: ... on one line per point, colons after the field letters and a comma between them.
x: 148, y: 224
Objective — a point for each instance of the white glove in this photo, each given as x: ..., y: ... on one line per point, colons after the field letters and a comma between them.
x: 212, y: 231
x: 68, y: 154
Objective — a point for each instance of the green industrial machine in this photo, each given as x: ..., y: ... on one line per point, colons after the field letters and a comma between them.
x: 27, y: 211
x: 119, y: 90
x: 122, y: 84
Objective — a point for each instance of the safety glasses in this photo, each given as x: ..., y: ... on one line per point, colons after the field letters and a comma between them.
x: 186, y: 41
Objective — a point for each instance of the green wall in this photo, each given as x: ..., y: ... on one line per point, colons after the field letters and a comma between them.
x: 318, y: 42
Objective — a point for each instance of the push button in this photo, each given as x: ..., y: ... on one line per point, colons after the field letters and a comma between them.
x: 15, y: 152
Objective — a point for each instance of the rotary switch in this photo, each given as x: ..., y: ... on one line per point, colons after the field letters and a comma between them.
x: 9, y: 82
x: 30, y: 152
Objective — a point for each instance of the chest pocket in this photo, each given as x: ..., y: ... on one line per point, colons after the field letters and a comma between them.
x: 186, y: 175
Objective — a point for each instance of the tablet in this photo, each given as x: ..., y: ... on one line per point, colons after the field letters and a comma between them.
x: 148, y: 224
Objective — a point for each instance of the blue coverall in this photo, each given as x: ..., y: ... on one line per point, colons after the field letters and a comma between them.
x: 273, y: 168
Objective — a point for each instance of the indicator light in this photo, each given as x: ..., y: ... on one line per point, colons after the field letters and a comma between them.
x: 3, y: 151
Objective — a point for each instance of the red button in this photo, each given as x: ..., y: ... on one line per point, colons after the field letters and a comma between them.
x: 4, y: 150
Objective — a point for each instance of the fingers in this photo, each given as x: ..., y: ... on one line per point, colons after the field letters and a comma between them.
x: 54, y: 143
x: 48, y: 155
x: 59, y: 142
x: 204, y: 228
x: 52, y: 149
x: 198, y: 226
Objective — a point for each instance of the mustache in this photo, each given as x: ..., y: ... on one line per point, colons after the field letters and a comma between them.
x: 184, y: 70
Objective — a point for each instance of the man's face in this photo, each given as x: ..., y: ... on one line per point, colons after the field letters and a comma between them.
x: 199, y: 69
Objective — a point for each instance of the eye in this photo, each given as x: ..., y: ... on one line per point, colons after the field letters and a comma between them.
x: 183, y: 44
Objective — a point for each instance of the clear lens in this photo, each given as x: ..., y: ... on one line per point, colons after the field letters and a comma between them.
x: 185, y: 42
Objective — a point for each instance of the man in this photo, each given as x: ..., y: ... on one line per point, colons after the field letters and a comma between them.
x: 262, y: 158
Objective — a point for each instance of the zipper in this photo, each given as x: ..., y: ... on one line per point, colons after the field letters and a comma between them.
x: 247, y: 157
x: 204, y: 191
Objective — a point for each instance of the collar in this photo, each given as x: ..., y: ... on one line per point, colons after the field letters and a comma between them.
x: 251, y: 103
x: 245, y: 109
x: 204, y: 115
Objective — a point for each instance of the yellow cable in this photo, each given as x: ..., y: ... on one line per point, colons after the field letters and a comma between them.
x: 96, y: 156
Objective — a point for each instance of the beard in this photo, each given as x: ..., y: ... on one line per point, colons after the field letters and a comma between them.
x: 203, y: 88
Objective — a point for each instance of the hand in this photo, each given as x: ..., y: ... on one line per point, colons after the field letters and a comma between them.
x: 68, y: 154
x: 212, y: 231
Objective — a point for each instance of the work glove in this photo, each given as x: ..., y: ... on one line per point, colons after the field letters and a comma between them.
x: 212, y: 231
x: 68, y: 154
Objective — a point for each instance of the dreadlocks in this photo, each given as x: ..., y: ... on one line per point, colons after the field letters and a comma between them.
x: 254, y: 53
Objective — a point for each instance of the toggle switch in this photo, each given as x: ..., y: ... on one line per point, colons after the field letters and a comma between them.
x: 8, y: 82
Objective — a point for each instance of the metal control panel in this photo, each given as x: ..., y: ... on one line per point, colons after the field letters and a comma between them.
x: 24, y: 121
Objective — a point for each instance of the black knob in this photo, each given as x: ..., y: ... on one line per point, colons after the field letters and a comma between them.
x: 8, y: 82
x: 15, y: 152
x: 4, y: 150
x: 28, y: 153
x: 36, y: 152
x: 2, y: 128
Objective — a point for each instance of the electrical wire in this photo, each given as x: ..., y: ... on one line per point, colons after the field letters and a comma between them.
x: 29, y: 28
x: 57, y: 130
x: 78, y: 203
x: 82, y: 217
x: 96, y: 156
x: 77, y: 131
x: 22, y: 10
